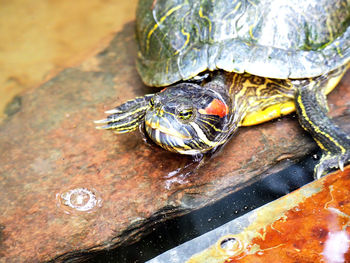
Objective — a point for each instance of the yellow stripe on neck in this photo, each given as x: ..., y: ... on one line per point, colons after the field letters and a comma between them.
x: 268, y: 114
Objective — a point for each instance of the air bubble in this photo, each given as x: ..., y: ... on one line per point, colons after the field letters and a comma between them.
x: 79, y: 200
x: 230, y: 245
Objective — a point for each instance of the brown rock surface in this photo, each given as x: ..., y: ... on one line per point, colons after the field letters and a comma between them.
x: 49, y: 146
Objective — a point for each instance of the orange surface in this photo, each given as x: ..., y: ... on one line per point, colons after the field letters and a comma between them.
x: 312, y: 224
x: 39, y: 38
x: 316, y: 230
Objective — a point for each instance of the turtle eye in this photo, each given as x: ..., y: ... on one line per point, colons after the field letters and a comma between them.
x: 185, y: 114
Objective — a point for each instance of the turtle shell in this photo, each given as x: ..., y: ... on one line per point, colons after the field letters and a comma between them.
x: 178, y: 39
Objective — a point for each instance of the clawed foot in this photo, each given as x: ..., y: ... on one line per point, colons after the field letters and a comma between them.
x: 126, y: 117
x: 331, y: 161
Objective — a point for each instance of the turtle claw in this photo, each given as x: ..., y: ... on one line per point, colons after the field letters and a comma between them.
x: 103, y: 127
x: 341, y: 165
x: 318, y: 172
x: 127, y: 116
x: 101, y: 122
x: 331, y: 161
x: 112, y: 111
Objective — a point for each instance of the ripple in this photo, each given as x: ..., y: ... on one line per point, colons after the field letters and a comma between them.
x: 79, y: 200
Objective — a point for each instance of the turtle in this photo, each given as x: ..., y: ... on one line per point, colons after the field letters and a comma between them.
x: 224, y: 64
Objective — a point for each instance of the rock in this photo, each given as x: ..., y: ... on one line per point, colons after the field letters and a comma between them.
x: 66, y: 187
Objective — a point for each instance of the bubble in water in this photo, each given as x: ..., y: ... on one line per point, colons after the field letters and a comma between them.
x: 230, y: 245
x: 79, y: 200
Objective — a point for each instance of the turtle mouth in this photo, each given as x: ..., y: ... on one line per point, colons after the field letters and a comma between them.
x: 157, y: 127
x: 168, y: 137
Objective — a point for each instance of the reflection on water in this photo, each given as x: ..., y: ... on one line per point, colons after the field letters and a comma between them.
x: 181, y: 175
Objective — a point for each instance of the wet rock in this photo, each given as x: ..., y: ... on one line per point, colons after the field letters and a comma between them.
x: 66, y: 187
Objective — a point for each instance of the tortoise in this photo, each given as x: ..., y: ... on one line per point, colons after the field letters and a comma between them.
x: 225, y: 64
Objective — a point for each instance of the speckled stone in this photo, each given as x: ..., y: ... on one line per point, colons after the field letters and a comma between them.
x: 50, y: 151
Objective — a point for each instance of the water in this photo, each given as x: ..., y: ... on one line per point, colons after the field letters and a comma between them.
x: 173, y: 232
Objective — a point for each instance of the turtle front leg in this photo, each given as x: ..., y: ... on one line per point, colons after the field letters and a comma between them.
x: 335, y: 143
x: 127, y: 116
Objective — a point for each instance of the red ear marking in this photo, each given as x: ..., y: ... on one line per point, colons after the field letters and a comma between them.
x: 163, y: 90
x: 216, y: 107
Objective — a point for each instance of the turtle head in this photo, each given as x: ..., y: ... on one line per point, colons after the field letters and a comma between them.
x: 185, y: 118
x: 188, y: 119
